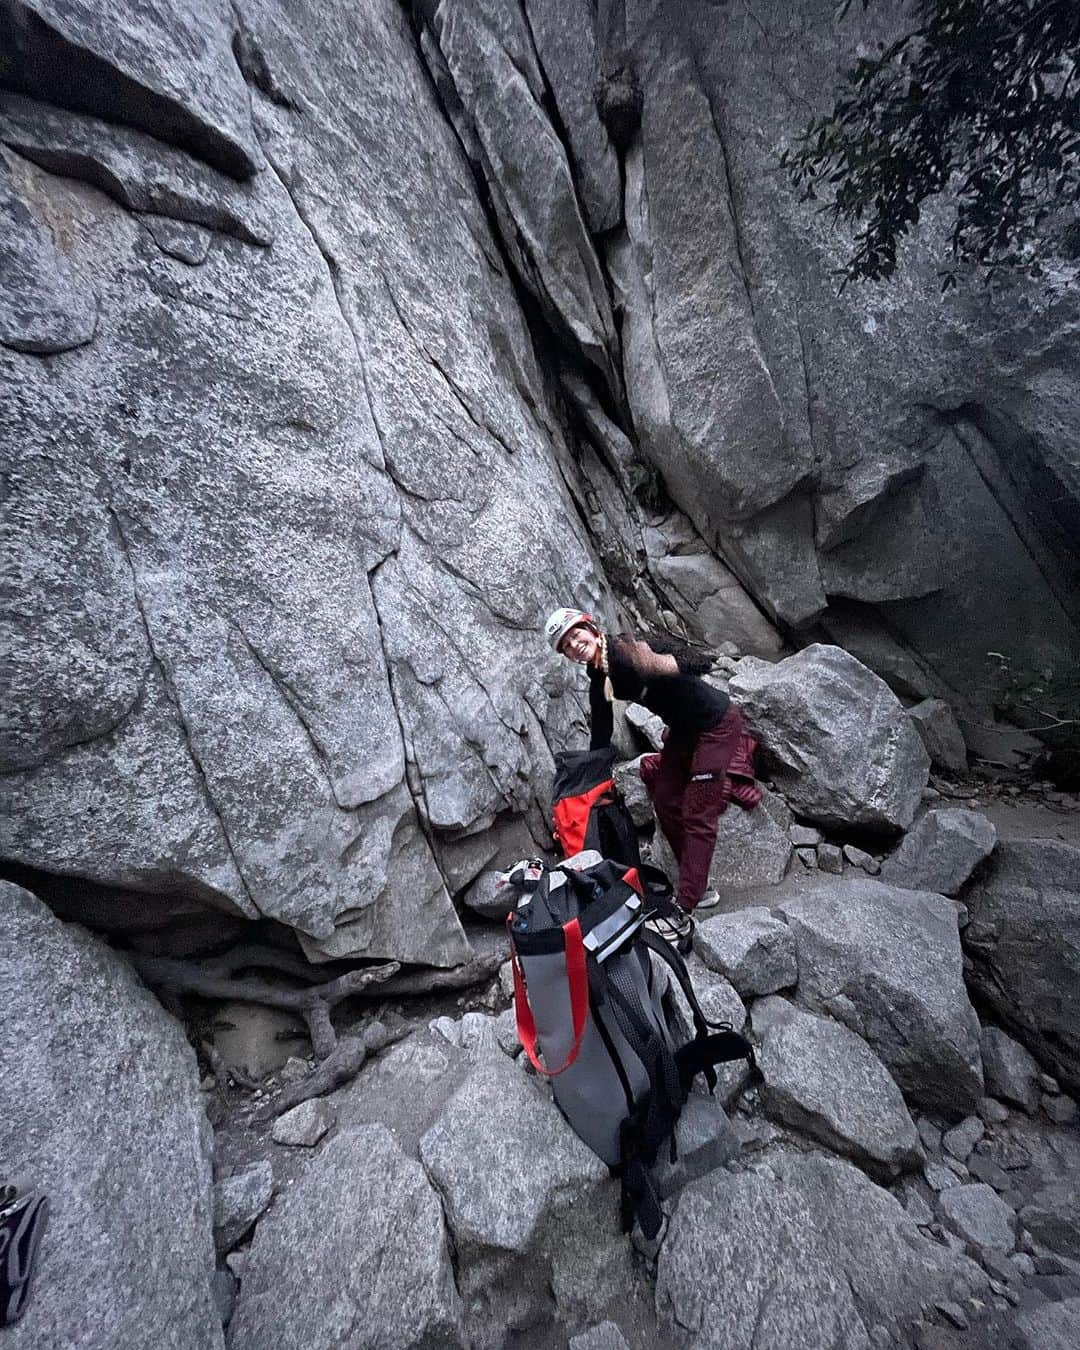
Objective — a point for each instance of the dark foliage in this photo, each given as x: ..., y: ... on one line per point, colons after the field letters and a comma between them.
x: 980, y: 100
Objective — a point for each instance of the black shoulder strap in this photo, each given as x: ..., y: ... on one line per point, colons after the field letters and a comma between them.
x: 677, y: 965
x: 705, y: 1050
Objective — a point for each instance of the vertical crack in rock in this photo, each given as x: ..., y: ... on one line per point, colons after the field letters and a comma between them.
x: 541, y: 329
x: 549, y: 105
x: 965, y: 420
x: 437, y: 365
x: 294, y: 703
x: 810, y: 428
x: 414, y: 782
x: 173, y: 694
x: 714, y: 116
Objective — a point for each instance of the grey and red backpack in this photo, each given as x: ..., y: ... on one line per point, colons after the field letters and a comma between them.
x: 594, y: 989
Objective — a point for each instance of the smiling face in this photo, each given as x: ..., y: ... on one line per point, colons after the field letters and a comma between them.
x: 580, y: 644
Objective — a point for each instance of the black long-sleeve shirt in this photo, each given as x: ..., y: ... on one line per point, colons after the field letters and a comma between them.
x: 683, y: 701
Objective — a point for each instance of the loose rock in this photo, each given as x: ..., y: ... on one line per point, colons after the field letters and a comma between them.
x: 488, y: 899
x: 979, y: 1216
x: 960, y: 1140
x: 1024, y: 942
x: 798, y: 1250
x: 238, y: 1202
x: 633, y: 790
x: 648, y: 726
x: 325, y: 1270
x: 605, y: 1336
x: 751, y: 949
x: 304, y: 1125
x: 1053, y: 1217
x: 886, y: 962
x: 858, y: 857
x: 1011, y: 1072
x: 941, y: 734
x: 557, y: 1250
x: 941, y: 851
x: 1061, y: 1110
x: 993, y: 1112
x: 830, y: 858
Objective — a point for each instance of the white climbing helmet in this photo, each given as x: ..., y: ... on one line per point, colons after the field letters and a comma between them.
x: 560, y: 621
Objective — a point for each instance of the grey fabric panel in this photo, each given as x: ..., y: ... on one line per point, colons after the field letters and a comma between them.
x: 589, y: 1093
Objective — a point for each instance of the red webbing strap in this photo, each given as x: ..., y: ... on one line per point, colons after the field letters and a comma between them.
x: 633, y: 880
x: 578, y: 979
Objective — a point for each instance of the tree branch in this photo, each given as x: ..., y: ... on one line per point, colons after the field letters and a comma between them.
x: 213, y: 978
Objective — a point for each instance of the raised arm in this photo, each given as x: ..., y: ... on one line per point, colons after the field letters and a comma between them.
x: 647, y: 663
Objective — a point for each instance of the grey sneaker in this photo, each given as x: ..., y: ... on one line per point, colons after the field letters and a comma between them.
x: 709, y: 900
x: 675, y: 926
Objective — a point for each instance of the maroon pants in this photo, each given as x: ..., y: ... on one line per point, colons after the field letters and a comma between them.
x: 686, y: 783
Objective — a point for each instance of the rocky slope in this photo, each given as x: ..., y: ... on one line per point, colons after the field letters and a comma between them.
x: 905, y: 1177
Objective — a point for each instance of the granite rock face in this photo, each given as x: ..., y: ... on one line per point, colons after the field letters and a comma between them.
x: 858, y: 458
x: 294, y: 488
x: 102, y: 1113
x: 292, y: 477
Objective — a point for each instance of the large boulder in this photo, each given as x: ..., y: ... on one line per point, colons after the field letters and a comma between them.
x: 827, y: 1082
x: 887, y: 963
x: 1052, y: 1215
x: 751, y: 948
x: 102, y: 1113
x: 798, y: 1250
x: 354, y: 1253
x: 1023, y: 939
x: 1012, y: 1073
x: 941, y: 852
x: 844, y: 751
x: 532, y: 1211
x: 979, y: 1216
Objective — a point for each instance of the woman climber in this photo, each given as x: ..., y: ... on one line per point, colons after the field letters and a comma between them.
x: 706, y: 739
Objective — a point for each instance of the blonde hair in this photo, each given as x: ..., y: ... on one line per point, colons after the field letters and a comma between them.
x: 609, y: 692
